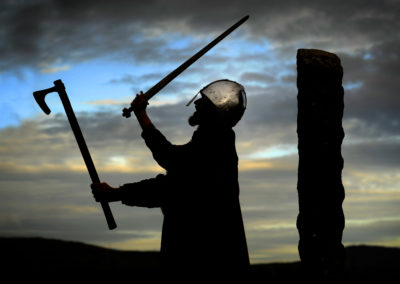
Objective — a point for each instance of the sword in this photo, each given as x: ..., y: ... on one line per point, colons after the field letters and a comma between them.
x: 126, y: 112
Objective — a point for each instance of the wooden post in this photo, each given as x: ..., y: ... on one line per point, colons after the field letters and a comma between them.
x: 320, y: 222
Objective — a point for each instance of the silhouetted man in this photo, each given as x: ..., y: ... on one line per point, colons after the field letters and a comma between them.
x: 203, y: 229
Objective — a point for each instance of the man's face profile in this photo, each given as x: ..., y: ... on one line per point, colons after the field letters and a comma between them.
x: 204, y: 112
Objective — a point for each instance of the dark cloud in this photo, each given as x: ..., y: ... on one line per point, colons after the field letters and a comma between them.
x: 42, y: 32
x: 58, y: 30
x: 257, y: 77
x: 375, y: 103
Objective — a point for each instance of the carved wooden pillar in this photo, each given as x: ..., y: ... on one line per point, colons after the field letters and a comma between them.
x: 320, y: 190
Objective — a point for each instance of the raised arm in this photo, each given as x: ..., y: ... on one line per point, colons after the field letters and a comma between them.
x: 166, y: 154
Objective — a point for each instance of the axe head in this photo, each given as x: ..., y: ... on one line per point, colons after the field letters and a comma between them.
x: 39, y: 95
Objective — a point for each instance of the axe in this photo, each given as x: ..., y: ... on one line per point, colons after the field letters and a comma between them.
x: 60, y: 89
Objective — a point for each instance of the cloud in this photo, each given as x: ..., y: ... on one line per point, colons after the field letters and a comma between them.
x: 257, y: 77
x: 373, y: 153
x: 375, y: 102
x: 47, y: 31
x: 54, y: 69
x: 63, y: 34
x: 361, y: 233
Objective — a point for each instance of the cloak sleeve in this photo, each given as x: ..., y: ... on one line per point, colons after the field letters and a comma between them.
x: 167, y: 155
x: 146, y: 193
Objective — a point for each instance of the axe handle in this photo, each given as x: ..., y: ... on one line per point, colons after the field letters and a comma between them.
x: 83, y: 147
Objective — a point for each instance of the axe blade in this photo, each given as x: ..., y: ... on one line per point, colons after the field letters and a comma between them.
x: 39, y: 97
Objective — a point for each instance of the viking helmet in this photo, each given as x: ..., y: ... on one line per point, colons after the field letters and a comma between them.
x: 229, y: 99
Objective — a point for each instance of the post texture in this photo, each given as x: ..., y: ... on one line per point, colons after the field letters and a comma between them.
x: 320, y: 222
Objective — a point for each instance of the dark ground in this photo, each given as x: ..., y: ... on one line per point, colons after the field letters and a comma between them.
x: 48, y: 260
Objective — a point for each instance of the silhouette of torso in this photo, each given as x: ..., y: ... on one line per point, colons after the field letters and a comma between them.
x: 199, y: 197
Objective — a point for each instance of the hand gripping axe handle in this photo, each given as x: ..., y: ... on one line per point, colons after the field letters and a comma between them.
x: 60, y: 89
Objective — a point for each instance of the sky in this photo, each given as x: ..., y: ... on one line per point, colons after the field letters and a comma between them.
x: 107, y: 51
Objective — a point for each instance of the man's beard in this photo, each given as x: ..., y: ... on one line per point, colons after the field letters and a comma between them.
x: 194, y: 119
x: 203, y: 118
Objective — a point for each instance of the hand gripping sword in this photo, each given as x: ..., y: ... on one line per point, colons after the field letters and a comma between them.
x: 60, y: 89
x: 126, y: 112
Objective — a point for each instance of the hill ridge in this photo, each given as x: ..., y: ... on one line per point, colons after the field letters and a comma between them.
x: 44, y: 258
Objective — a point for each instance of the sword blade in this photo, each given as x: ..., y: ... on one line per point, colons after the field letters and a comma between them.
x: 157, y: 87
